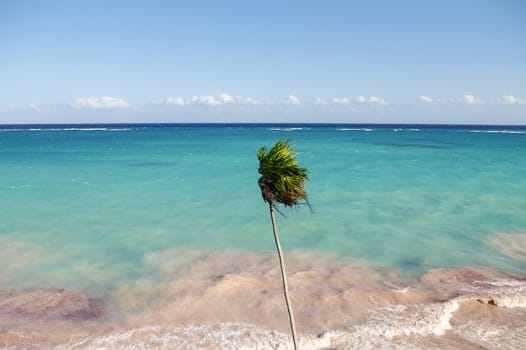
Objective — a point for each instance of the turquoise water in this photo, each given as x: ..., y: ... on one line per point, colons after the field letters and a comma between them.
x: 82, y: 206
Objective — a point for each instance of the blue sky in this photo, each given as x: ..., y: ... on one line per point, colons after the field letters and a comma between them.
x: 263, y: 61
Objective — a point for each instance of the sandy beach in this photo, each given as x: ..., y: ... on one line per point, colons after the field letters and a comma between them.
x: 234, y: 300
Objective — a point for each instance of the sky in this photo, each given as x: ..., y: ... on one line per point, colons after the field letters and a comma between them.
x: 92, y: 61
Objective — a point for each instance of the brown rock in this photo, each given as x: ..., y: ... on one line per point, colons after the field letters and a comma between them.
x: 49, y: 303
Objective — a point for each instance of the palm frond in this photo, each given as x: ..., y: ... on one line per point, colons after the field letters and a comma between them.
x: 282, y: 179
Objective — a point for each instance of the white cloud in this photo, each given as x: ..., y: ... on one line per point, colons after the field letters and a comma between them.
x: 371, y: 100
x: 361, y: 100
x: 320, y: 102
x: 464, y: 99
x: 210, y: 101
x: 511, y: 100
x: 341, y: 100
x: 471, y: 100
x: 170, y: 100
x: 425, y: 99
x: 292, y: 100
x: 227, y: 99
x: 346, y: 101
x: 240, y: 100
x: 205, y: 101
x: 99, y: 103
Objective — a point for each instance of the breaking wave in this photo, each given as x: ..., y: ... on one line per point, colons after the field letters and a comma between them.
x: 211, y: 300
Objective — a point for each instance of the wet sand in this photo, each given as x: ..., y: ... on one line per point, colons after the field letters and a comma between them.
x: 209, y: 300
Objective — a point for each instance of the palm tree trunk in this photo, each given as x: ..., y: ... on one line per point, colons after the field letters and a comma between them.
x: 284, y: 277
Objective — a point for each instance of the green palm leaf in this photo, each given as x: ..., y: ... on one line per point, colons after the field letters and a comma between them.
x: 282, y: 179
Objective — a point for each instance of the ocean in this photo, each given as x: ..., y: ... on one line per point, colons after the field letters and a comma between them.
x: 155, y: 236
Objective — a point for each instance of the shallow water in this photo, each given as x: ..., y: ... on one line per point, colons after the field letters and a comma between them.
x: 234, y: 300
x: 160, y: 236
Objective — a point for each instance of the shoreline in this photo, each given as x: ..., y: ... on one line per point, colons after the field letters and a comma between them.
x: 237, y: 298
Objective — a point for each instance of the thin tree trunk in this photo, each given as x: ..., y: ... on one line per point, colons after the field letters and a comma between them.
x: 284, y: 277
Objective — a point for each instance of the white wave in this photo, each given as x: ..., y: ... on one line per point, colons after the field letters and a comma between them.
x: 231, y: 336
x: 15, y: 187
x: 498, y: 286
x: 389, y: 327
x: 510, y: 301
x: 498, y: 131
x: 502, y: 292
x: 488, y: 335
x: 402, y: 129
x: 286, y: 129
x: 15, y: 130
x: 92, y: 129
x: 509, y: 286
x: 403, y: 320
x: 355, y: 129
x: 83, y: 129
x: 214, y: 336
x: 64, y: 129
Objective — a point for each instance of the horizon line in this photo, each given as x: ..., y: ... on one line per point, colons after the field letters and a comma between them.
x: 219, y: 124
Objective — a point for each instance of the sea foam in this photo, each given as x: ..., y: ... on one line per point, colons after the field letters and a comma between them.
x: 497, y: 131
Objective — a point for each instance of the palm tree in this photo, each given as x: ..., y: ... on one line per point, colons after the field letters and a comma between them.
x: 282, y: 182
